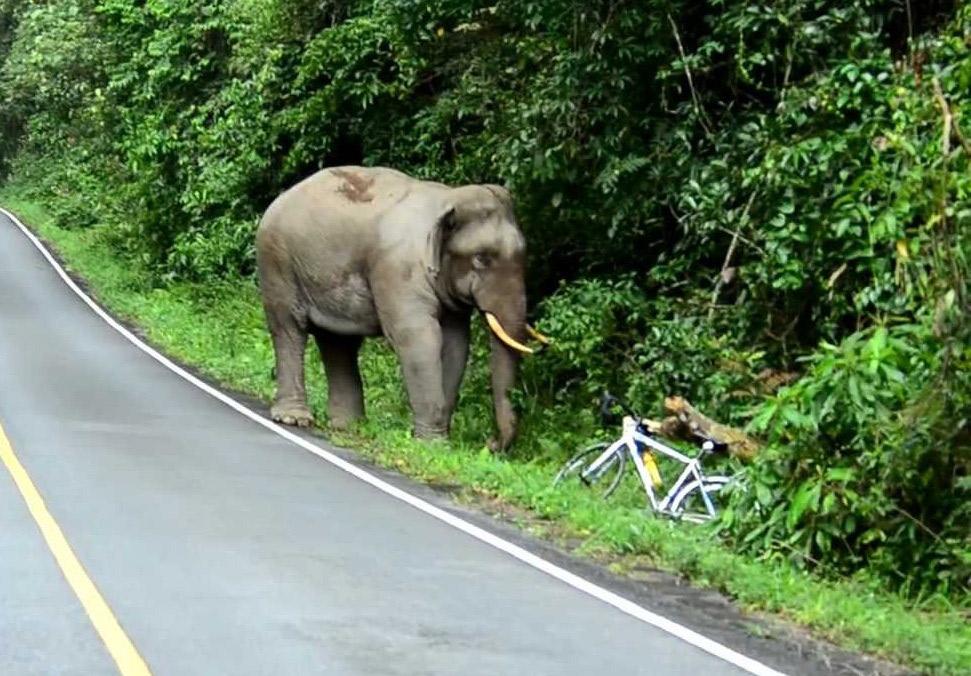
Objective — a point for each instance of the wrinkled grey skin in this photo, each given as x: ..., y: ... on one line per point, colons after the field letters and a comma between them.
x: 353, y: 252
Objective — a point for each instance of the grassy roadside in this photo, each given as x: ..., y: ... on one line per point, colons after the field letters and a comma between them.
x: 219, y: 328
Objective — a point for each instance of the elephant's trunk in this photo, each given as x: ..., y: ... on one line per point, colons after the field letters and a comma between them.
x: 503, y: 362
x: 507, y: 321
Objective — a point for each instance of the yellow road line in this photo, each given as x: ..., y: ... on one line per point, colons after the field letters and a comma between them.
x: 122, y: 650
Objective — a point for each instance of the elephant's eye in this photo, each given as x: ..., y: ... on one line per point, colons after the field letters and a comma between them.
x: 481, y: 260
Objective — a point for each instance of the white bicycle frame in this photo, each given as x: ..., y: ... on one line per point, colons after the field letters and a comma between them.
x: 633, y: 440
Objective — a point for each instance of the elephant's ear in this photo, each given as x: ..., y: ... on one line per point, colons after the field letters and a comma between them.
x: 503, y: 195
x: 445, y: 226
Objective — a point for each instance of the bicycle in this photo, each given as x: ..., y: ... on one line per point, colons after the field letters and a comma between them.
x: 604, y: 464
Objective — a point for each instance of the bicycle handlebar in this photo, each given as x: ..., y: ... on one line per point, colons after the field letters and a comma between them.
x: 607, y: 402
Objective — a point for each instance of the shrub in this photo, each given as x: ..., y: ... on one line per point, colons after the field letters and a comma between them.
x: 868, y: 462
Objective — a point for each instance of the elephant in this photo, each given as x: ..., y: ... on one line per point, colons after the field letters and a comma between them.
x: 352, y: 252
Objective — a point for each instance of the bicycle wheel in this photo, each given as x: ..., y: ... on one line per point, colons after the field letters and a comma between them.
x: 689, y: 503
x: 608, y: 475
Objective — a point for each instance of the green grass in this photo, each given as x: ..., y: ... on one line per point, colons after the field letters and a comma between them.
x: 219, y: 328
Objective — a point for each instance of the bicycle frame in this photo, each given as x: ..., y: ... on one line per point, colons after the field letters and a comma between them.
x: 633, y: 441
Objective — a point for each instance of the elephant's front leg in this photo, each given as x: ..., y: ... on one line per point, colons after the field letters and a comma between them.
x: 455, y: 356
x: 418, y: 342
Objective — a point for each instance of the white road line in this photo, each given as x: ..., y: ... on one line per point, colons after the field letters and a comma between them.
x: 624, y: 605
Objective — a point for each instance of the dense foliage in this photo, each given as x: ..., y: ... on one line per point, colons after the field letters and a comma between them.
x: 717, y: 194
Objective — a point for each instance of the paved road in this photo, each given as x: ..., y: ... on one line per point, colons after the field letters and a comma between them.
x: 223, y: 548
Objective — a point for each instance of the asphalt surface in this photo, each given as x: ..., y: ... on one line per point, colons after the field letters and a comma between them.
x: 223, y: 548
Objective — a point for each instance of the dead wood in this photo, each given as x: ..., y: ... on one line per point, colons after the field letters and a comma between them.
x: 686, y: 422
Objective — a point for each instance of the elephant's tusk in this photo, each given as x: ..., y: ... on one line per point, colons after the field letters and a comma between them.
x: 505, y: 337
x: 537, y: 335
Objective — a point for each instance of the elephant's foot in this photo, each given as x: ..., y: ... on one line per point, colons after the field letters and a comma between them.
x: 290, y: 413
x: 430, y: 433
x: 343, y: 421
x: 502, y: 443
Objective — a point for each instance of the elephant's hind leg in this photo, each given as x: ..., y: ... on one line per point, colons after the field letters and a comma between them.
x: 289, y: 344
x: 345, y: 391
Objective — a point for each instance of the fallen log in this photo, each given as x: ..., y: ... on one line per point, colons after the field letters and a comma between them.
x: 686, y: 422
